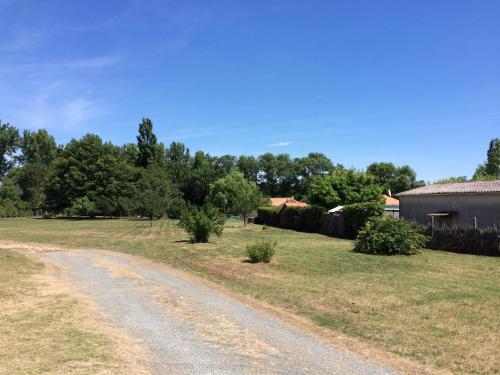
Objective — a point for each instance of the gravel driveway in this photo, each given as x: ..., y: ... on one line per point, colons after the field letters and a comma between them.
x: 189, y: 328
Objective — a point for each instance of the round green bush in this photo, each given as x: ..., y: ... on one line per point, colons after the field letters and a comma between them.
x: 387, y: 236
x: 201, y: 222
x: 261, y: 251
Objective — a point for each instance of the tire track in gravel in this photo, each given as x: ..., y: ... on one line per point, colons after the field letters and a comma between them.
x: 189, y: 328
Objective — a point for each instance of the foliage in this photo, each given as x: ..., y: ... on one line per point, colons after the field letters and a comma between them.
x: 387, y: 236
x: 234, y: 195
x: 89, y: 167
x: 149, y: 150
x: 357, y: 214
x: 394, y: 179
x: 37, y: 148
x: 154, y: 194
x: 268, y: 216
x: 82, y: 207
x: 201, y: 222
x: 344, y: 186
x: 490, y: 169
x: 309, y: 219
x: 261, y: 251
x: 249, y: 166
x: 10, y: 198
x: 33, y: 179
x: 452, y: 180
x: 9, y: 142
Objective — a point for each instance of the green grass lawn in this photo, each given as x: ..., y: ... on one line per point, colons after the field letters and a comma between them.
x: 440, y: 309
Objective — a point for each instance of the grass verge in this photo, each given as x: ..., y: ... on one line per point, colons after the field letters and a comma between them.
x: 43, y: 329
x: 437, y: 308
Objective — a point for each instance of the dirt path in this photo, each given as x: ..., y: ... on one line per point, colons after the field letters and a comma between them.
x: 189, y: 328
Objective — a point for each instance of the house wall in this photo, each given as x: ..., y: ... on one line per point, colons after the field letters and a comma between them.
x: 485, y: 207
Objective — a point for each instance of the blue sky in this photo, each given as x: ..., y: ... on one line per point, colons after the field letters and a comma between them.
x: 413, y: 82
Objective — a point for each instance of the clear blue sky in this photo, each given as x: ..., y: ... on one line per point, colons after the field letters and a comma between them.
x: 413, y: 82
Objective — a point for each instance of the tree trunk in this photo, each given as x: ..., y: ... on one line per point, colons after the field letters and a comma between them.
x: 244, y: 220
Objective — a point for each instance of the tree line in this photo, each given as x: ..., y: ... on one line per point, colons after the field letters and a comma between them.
x: 89, y: 177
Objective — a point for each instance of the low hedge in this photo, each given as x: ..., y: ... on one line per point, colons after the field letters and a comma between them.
x: 357, y: 214
x: 268, y: 216
x: 310, y: 219
x: 304, y: 219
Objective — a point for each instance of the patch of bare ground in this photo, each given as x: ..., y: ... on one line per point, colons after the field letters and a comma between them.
x: 47, y: 326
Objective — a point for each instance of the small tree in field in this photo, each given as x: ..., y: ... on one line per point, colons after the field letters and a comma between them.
x: 201, y: 222
x: 234, y: 195
x: 82, y: 207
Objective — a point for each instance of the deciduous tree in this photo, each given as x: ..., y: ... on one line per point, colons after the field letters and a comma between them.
x: 235, y: 195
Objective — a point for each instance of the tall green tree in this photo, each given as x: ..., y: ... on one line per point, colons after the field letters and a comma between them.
x: 202, y: 174
x: 178, y: 163
x: 37, y: 147
x: 268, y: 174
x: 9, y: 142
x: 490, y: 169
x: 147, y: 144
x: 394, y: 179
x: 249, y: 166
x: 234, y: 195
x: 154, y: 194
x: 344, y: 186
x: 90, y: 168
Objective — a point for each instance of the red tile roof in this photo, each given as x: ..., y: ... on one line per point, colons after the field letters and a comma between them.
x: 390, y: 201
x: 289, y: 201
x: 472, y: 187
x: 280, y: 201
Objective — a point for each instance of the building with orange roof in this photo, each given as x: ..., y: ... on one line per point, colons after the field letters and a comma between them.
x: 289, y: 201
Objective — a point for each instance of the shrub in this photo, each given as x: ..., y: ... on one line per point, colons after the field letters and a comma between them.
x: 201, y: 222
x: 357, y: 214
x: 261, y: 251
x: 268, y: 216
x: 82, y: 207
x: 388, y: 236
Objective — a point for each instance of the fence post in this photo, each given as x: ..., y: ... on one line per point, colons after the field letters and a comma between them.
x: 475, y: 222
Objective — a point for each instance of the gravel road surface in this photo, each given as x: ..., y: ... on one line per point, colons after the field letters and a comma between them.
x: 189, y: 328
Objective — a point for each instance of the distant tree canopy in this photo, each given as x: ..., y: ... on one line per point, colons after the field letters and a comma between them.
x: 490, y: 169
x: 344, y: 186
x: 394, y: 179
x: 88, y: 176
x: 452, y: 179
x: 9, y: 142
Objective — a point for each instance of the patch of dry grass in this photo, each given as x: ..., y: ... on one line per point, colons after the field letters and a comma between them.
x: 46, y: 328
x: 437, y: 308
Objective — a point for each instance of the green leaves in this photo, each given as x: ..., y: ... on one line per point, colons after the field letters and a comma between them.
x: 234, y: 195
x: 201, y: 222
x: 387, y: 236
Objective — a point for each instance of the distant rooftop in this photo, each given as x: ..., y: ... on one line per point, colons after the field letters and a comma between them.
x: 390, y: 201
x: 473, y: 187
x: 290, y: 201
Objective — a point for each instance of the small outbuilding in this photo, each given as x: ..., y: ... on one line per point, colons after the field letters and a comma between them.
x: 474, y: 203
